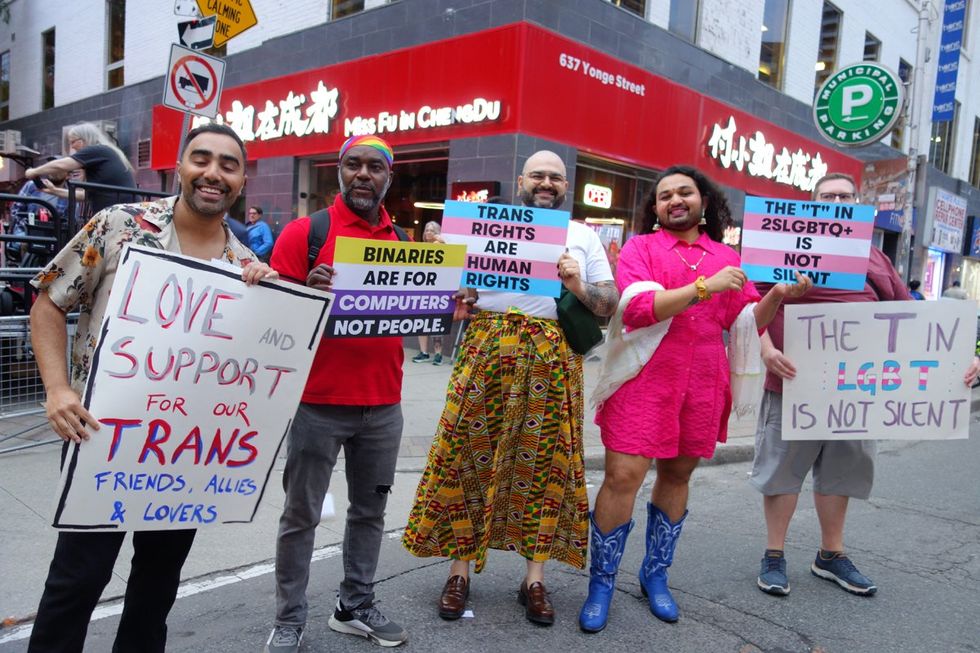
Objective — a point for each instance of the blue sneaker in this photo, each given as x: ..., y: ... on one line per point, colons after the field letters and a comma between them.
x: 772, y: 575
x: 839, y: 569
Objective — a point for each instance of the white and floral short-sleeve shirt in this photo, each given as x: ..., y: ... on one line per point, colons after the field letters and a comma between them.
x: 81, y: 275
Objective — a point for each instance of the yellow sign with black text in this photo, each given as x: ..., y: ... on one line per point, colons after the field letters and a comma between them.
x: 234, y: 17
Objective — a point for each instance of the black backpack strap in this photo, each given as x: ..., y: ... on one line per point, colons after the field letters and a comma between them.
x: 319, y: 230
x: 400, y: 232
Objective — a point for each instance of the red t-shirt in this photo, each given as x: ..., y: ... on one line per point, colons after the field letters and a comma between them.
x: 346, y: 371
x: 882, y: 285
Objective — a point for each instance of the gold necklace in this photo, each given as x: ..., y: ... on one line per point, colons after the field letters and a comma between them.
x: 694, y: 267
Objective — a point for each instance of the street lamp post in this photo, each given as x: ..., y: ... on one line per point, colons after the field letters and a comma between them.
x: 903, y: 260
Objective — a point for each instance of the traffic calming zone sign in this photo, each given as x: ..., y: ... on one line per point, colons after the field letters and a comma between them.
x: 234, y: 17
x: 193, y: 82
x: 858, y: 104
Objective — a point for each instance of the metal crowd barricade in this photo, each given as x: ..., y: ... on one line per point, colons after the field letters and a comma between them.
x: 21, y: 389
x: 81, y: 211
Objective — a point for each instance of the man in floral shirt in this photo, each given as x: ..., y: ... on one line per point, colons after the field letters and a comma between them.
x: 212, y: 175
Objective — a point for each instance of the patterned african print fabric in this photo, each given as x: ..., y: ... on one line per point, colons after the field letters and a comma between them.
x: 506, y: 467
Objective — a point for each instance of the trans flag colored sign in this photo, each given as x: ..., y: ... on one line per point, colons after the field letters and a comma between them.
x: 508, y: 248
x: 830, y: 243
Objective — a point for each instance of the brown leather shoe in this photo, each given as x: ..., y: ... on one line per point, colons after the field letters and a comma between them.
x: 537, y: 605
x: 452, y: 602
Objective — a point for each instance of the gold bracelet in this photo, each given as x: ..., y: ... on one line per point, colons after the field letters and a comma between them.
x: 703, y: 293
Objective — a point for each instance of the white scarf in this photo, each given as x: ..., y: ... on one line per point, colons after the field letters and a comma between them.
x: 624, y: 354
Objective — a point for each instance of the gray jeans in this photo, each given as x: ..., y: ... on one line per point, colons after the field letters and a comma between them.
x: 370, y: 436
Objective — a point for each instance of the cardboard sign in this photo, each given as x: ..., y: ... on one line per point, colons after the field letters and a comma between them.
x: 830, y: 243
x: 392, y: 288
x: 879, y: 370
x: 194, y: 382
x: 509, y: 248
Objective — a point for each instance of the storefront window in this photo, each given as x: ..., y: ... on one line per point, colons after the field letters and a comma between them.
x: 773, y: 48
x: 417, y: 190
x: 609, y: 198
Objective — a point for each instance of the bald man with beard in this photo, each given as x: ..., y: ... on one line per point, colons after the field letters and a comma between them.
x: 506, y: 468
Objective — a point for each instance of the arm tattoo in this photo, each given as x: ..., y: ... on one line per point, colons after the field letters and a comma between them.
x: 601, y: 298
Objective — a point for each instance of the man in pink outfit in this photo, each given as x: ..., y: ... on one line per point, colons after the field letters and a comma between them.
x: 676, y: 408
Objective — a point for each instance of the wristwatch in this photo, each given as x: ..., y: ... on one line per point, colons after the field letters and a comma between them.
x: 703, y: 293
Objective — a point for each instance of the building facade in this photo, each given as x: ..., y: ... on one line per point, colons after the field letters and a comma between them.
x: 465, y: 90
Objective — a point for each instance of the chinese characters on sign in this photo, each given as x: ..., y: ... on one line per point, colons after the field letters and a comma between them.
x: 300, y: 115
x: 757, y: 157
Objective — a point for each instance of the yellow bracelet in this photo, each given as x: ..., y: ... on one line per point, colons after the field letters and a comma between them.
x: 703, y: 293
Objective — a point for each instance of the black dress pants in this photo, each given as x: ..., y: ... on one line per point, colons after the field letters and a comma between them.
x: 80, y: 570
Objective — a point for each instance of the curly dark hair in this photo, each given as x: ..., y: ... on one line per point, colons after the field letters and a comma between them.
x: 716, y: 212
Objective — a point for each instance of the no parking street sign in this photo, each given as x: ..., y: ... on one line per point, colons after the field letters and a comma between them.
x: 193, y: 82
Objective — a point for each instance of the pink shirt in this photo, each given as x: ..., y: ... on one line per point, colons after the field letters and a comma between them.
x: 679, y: 402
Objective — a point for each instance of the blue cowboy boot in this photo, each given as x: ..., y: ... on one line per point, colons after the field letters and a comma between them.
x: 607, y: 551
x: 661, y: 540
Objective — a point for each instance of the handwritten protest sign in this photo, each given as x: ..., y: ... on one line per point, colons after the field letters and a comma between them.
x: 194, y: 382
x: 510, y: 248
x: 878, y: 370
x: 389, y: 288
x: 830, y: 243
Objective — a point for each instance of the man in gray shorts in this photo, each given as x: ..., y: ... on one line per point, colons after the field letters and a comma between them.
x: 841, y: 469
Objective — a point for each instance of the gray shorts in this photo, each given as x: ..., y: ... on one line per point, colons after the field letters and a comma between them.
x: 840, y: 467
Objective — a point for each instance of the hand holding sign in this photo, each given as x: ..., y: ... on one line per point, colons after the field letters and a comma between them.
x: 728, y: 278
x: 321, y: 277
x: 66, y: 415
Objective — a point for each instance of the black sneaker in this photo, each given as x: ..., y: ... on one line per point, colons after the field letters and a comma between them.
x: 772, y: 575
x: 284, y: 639
x: 842, y: 571
x: 421, y: 357
x: 367, y: 621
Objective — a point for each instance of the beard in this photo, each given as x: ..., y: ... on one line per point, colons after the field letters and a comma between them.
x: 208, y: 207
x: 528, y: 198
x: 362, y: 205
x: 684, y: 224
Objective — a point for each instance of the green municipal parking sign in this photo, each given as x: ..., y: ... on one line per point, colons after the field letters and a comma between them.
x: 858, y: 104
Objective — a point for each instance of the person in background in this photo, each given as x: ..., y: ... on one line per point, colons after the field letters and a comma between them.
x: 237, y: 228
x: 92, y: 151
x: 914, y: 285
x: 259, y: 234
x: 25, y: 213
x: 954, y: 292
x: 430, y: 235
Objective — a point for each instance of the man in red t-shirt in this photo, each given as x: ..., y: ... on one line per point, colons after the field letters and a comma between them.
x: 842, y: 469
x: 351, y: 401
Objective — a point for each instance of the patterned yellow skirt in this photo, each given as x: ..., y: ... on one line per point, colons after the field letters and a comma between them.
x: 506, y: 467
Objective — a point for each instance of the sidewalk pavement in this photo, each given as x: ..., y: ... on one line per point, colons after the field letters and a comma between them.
x: 29, y: 478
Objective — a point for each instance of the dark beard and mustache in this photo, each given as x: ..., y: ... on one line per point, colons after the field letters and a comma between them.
x: 692, y: 220
x: 527, y: 199
x: 215, y: 207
